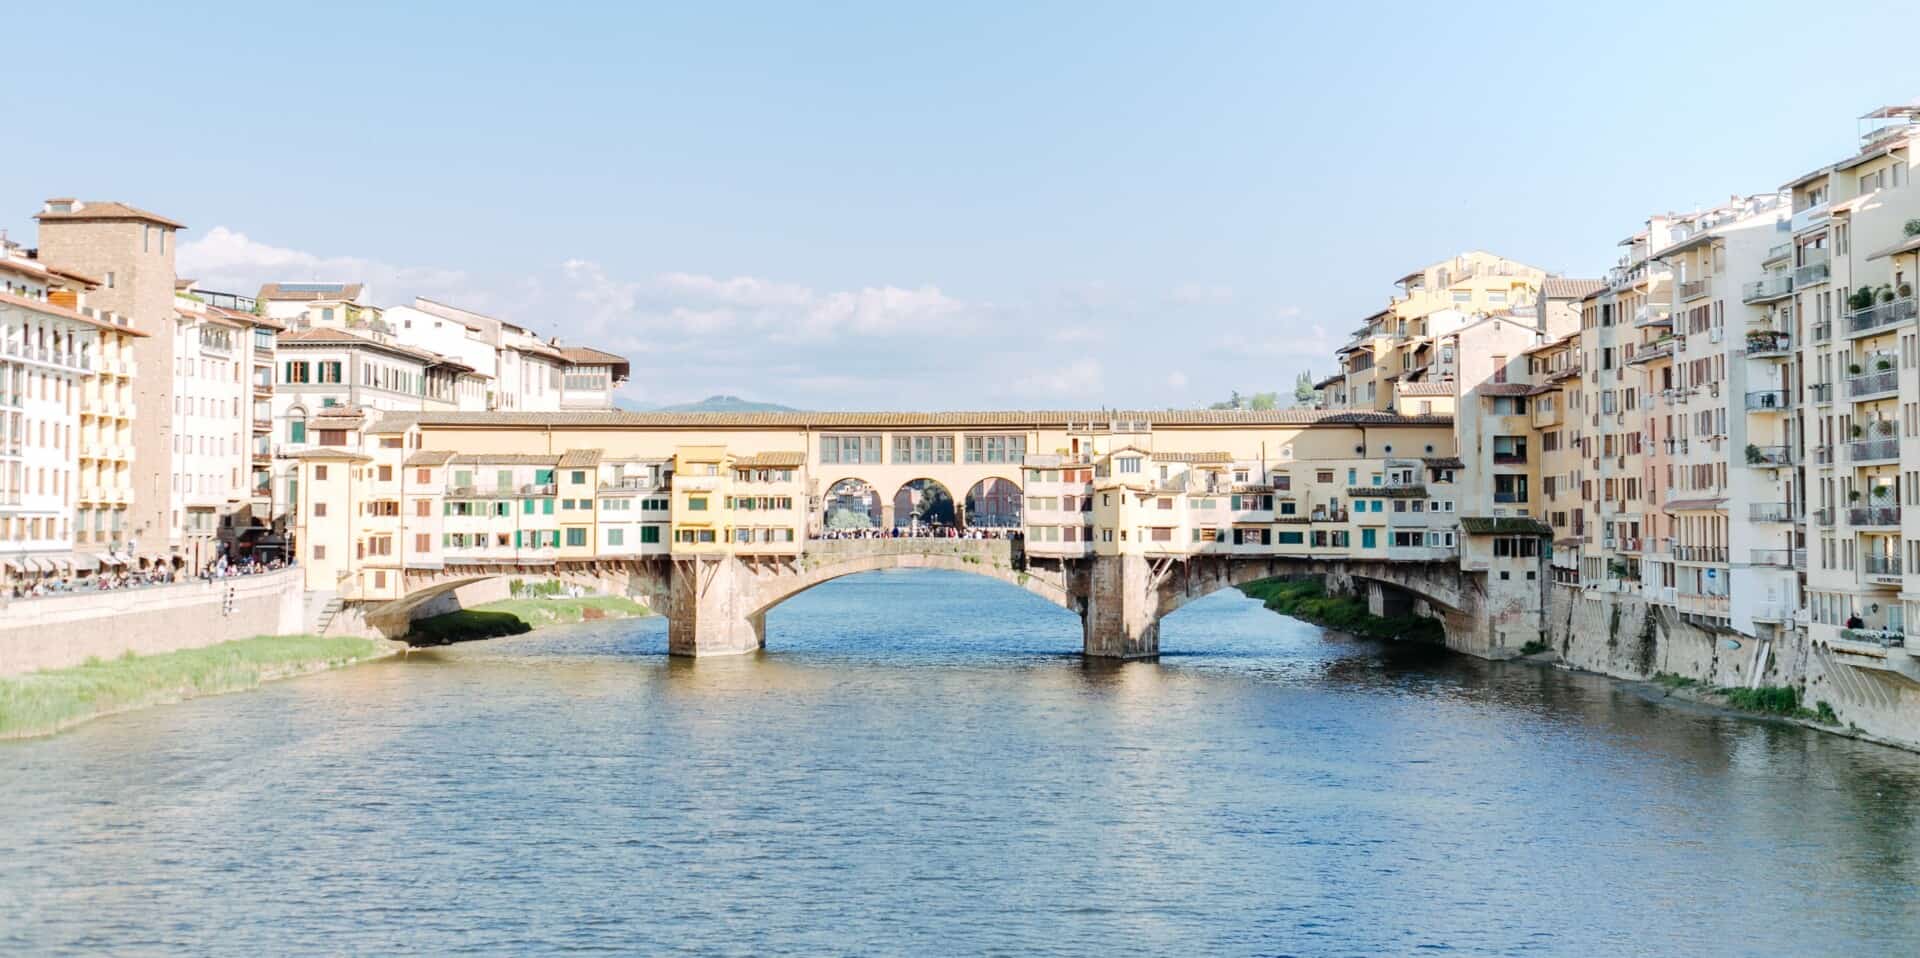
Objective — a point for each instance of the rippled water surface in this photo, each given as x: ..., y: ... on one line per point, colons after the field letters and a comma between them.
x: 921, y: 764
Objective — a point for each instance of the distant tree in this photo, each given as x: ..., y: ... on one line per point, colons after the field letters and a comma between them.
x: 1264, y: 401
x: 1303, y: 388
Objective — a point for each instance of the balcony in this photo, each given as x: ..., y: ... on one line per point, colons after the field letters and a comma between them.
x: 1873, y: 450
x: 1874, y: 517
x: 1767, y: 290
x: 1823, y: 455
x: 1808, y: 217
x: 1879, y: 316
x: 1652, y: 351
x: 1702, y: 554
x: 1701, y: 603
x: 1823, y: 517
x: 1771, y: 558
x: 1821, y: 392
x: 1874, y: 383
x: 1881, y: 566
x: 1693, y: 289
x: 1773, y: 512
x: 1767, y: 400
x: 1770, y: 342
x: 1769, y: 457
x: 1822, y: 331
x: 1811, y: 273
x: 1779, y: 252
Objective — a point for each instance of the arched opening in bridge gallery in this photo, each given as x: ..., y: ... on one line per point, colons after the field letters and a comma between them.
x: 993, y: 504
x: 852, y: 505
x: 923, y: 504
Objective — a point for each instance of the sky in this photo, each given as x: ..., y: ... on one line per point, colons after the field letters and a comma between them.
x: 858, y: 206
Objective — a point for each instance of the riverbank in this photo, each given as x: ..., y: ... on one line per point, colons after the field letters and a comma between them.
x: 45, y: 702
x: 516, y: 616
x: 1308, y: 601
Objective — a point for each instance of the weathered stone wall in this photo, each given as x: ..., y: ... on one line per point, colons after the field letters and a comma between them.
x: 1621, y: 636
x: 60, y: 631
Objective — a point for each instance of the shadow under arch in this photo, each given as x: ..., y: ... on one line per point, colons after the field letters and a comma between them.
x: 923, y: 503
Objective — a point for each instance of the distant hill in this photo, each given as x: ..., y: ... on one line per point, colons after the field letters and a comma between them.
x: 709, y: 404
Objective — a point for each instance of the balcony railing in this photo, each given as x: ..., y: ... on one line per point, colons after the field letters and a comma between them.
x: 1821, y: 392
x: 1700, y: 553
x: 1878, y: 381
x: 1863, y: 322
x: 1881, y: 565
x: 1885, y: 638
x: 1509, y: 458
x: 1770, y: 457
x: 1822, y: 331
x: 1767, y: 400
x: 1823, y: 455
x: 1823, y: 517
x: 1769, y: 343
x: 1698, y: 602
x: 1773, y: 287
x: 1811, y: 273
x: 1693, y: 289
x: 1774, y: 558
x: 1873, y: 516
x: 1773, y: 511
x: 1873, y: 450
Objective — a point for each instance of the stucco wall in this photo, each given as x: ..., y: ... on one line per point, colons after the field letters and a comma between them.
x: 56, y: 632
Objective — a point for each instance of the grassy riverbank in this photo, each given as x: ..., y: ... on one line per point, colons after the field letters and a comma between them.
x: 514, y: 616
x: 1307, y: 600
x: 1777, y: 700
x: 41, y: 703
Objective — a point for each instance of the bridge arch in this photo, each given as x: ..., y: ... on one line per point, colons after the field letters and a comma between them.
x: 640, y: 581
x: 989, y: 558
x: 1439, y: 584
x: 923, y: 502
x: 993, y: 503
x: 851, y: 504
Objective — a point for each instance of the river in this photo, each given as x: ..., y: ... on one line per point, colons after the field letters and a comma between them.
x: 922, y: 764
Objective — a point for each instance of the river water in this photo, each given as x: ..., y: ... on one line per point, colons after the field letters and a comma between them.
x: 921, y: 764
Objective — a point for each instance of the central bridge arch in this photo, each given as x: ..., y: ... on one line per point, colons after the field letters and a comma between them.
x: 832, y: 559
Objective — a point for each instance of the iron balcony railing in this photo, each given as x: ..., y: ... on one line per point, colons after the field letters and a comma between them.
x: 1873, y: 516
x: 1823, y: 517
x: 1779, y: 558
x: 1823, y: 455
x: 1821, y: 392
x: 1887, y: 565
x: 1767, y: 400
x: 1769, y: 456
x: 1773, y: 511
x: 1811, y: 273
x: 1770, y: 342
x: 1862, y: 322
x: 1822, y: 331
x: 1693, y: 289
x: 1700, y: 553
x: 1873, y: 450
x: 1878, y: 381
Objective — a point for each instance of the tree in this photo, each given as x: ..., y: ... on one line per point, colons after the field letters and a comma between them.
x: 1264, y: 401
x: 1303, y: 388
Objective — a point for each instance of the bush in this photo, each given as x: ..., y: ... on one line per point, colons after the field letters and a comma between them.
x: 1913, y: 227
x: 1535, y: 647
x: 1672, y: 681
x: 1307, y: 600
x: 1769, y: 699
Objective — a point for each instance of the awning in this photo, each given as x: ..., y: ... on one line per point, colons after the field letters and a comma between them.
x: 113, y: 559
x: 84, y: 562
x: 13, y: 565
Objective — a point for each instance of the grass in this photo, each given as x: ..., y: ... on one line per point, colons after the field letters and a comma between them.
x: 1782, y: 700
x: 1307, y: 600
x: 41, y: 703
x: 514, y: 616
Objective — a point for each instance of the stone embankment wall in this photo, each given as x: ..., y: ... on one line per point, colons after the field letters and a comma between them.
x: 1622, y: 636
x: 59, y: 631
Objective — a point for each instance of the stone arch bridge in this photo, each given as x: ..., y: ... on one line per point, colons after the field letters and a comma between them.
x: 717, y: 605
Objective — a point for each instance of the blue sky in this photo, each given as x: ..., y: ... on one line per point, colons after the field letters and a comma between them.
x: 862, y: 206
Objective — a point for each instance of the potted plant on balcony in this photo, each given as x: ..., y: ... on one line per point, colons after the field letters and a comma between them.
x: 1884, y: 364
x: 1905, y: 290
x: 1860, y: 298
x: 1913, y: 227
x: 1853, y: 495
x: 1753, y: 455
x: 1853, y: 368
x: 1857, y: 430
x: 1886, y: 292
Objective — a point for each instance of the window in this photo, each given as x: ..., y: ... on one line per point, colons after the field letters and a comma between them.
x: 579, y: 478
x: 696, y: 503
x: 423, y: 507
x: 618, y: 537
x: 320, y: 473
x: 1128, y: 465
x: 319, y: 552
x: 576, y: 537
x: 922, y: 449
x: 295, y: 373
x: 296, y: 431
x: 996, y: 448
x: 320, y: 510
x: 422, y: 542
x: 1509, y: 488
x: 1509, y: 450
x: 649, y: 534
x: 849, y: 450
x: 1368, y: 538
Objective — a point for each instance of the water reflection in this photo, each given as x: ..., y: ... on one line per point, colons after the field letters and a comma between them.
x: 921, y: 764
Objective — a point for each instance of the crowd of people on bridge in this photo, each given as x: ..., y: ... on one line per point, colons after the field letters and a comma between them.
x: 116, y: 580
x: 921, y: 532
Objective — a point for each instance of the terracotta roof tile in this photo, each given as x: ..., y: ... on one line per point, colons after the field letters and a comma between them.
x: 349, y: 291
x: 1504, y: 525
x: 107, y: 210
x: 771, y: 460
x: 505, y: 459
x: 579, y: 458
x: 1427, y: 389
x: 430, y: 457
x: 1562, y: 288
x: 50, y: 309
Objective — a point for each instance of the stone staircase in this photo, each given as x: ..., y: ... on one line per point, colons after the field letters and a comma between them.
x: 320, y: 610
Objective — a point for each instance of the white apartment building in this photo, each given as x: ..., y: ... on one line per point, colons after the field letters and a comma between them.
x: 529, y: 374
x: 217, y: 355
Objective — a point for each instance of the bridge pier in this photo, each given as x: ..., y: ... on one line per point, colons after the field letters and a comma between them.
x: 1121, y: 619
x: 714, y: 609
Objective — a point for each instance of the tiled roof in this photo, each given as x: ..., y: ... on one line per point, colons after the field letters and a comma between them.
x: 1504, y: 389
x: 1196, y: 458
x: 1025, y: 419
x: 771, y: 460
x: 344, y: 291
x: 579, y: 458
x: 322, y: 336
x: 587, y: 355
x: 1330, y: 380
x: 1444, y: 462
x: 1388, y: 492
x: 47, y: 308
x: 1426, y: 389
x: 1504, y: 525
x: 1561, y: 288
x: 330, y: 452
x: 430, y: 457
x: 333, y: 419
x: 505, y: 459
x: 108, y: 210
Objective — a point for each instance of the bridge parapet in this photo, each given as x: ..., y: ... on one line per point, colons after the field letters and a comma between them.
x: 986, y: 550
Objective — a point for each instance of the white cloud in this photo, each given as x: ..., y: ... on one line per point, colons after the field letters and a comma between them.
x: 1202, y: 294
x: 1078, y: 380
x: 695, y: 303
x: 230, y: 261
